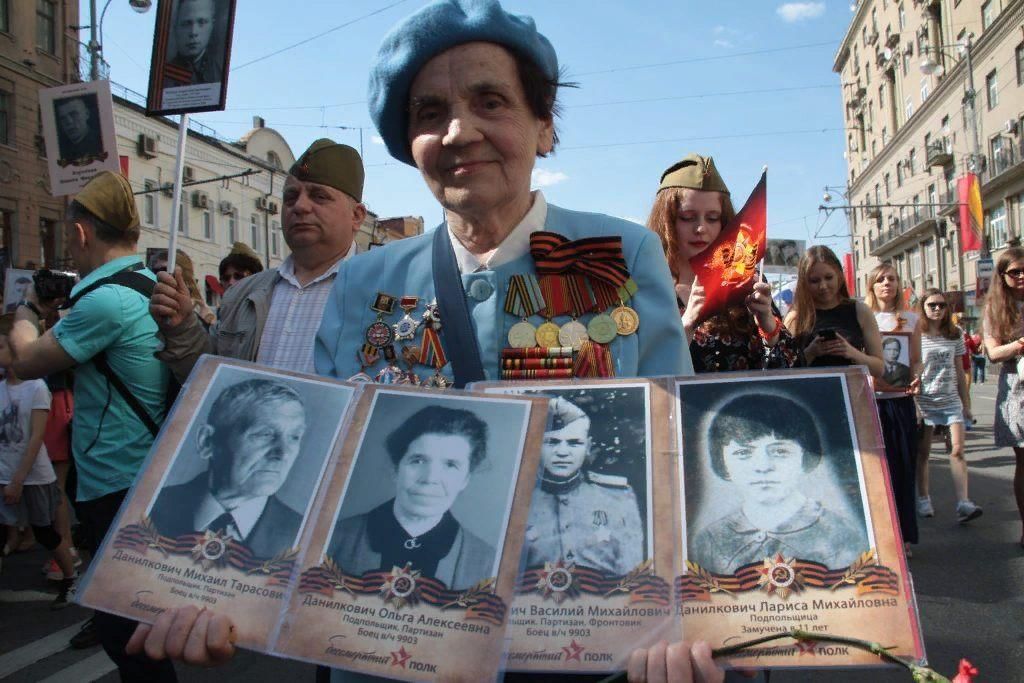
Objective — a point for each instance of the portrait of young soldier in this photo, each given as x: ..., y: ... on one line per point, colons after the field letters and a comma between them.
x: 896, y: 372
x: 250, y: 440
x: 198, y: 29
x: 78, y: 127
x: 578, y: 515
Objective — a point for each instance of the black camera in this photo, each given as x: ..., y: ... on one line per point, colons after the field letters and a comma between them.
x: 53, y: 284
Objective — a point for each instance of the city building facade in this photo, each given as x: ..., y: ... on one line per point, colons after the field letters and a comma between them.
x: 913, y: 129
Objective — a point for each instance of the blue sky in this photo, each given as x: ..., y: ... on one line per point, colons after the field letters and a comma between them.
x: 621, y: 128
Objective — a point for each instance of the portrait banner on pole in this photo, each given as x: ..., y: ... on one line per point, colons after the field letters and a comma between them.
x: 78, y: 132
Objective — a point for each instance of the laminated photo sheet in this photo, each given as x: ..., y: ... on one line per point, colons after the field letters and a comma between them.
x: 600, y: 543
x: 788, y: 520
x: 237, y: 431
x: 469, y: 459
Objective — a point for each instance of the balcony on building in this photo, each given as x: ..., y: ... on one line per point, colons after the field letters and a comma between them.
x: 900, y: 231
x: 940, y: 152
x: 1003, y: 166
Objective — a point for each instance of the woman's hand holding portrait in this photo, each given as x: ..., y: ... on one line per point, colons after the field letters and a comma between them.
x: 188, y: 634
x: 694, y: 307
x: 675, y: 663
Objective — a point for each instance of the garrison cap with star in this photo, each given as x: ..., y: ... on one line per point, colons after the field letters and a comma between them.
x: 694, y: 172
x: 108, y: 196
x: 329, y: 163
x: 562, y: 413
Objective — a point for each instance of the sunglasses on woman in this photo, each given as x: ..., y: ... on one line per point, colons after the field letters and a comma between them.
x: 936, y: 305
x: 1015, y: 273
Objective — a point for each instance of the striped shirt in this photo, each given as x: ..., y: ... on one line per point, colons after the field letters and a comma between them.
x: 294, y: 318
x: 941, y: 365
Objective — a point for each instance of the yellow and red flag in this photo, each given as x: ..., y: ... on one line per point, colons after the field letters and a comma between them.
x: 727, y: 269
x: 969, y: 193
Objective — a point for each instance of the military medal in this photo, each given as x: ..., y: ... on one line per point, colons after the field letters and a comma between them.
x: 379, y: 334
x: 573, y: 333
x: 602, y: 328
x: 405, y: 329
x: 367, y: 356
x: 522, y: 335
x: 547, y: 335
x: 627, y: 321
x: 432, y: 315
x: 524, y: 298
x: 432, y: 354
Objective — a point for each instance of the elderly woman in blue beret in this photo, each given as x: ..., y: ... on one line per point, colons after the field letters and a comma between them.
x: 467, y: 93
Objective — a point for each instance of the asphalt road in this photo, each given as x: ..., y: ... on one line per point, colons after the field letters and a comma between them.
x: 969, y: 582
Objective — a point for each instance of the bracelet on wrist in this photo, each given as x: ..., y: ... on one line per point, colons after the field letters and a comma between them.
x: 30, y: 306
x: 776, y: 329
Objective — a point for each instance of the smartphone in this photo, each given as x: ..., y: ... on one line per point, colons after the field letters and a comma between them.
x: 827, y: 334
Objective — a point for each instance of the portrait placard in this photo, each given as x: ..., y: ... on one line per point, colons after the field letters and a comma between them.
x: 78, y: 131
x: 215, y: 517
x: 896, y: 356
x: 781, y: 257
x: 191, y: 56
x: 410, y: 568
x: 600, y: 539
x: 16, y: 283
x: 788, y: 518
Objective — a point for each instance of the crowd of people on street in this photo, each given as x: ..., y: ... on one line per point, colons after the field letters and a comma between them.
x: 467, y: 94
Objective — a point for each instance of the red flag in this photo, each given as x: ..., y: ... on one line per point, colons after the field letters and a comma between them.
x: 969, y: 194
x: 726, y: 269
x: 848, y: 272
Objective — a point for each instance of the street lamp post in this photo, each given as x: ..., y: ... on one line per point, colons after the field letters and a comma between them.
x: 95, y: 46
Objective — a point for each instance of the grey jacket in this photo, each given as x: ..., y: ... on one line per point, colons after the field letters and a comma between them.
x: 236, y: 334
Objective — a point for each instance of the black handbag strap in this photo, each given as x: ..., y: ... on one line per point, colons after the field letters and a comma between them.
x: 103, y: 367
x: 456, y: 326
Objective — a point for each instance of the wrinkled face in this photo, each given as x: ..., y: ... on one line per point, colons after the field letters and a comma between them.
x: 891, y: 351
x: 194, y: 27
x: 432, y: 473
x: 233, y: 275
x: 318, y: 215
x: 767, y: 469
x: 1013, y: 276
x: 698, y: 222
x: 473, y: 136
x: 565, y: 450
x: 261, y: 456
x: 73, y: 117
x: 886, y: 286
x: 824, y: 283
x: 935, y: 307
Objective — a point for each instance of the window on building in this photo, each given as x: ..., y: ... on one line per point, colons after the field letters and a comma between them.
x: 885, y: 183
x: 997, y: 231
x: 1018, y: 54
x: 233, y: 227
x: 903, y: 17
x: 275, y: 238
x: 988, y: 13
x: 6, y: 117
x: 908, y: 107
x: 864, y: 35
x: 913, y: 263
x: 930, y: 261
x: 885, y: 136
x: 254, y: 231
x: 874, y: 148
x: 999, y: 155
x: 906, y: 63
x: 207, y: 224
x: 927, y: 142
x: 945, y: 125
x: 992, y: 89
x: 183, y: 216
x: 925, y: 88
x: 273, y: 159
x: 46, y: 24
x: 1020, y: 212
x: 899, y: 174
x: 5, y: 16
x: 912, y: 161
x: 149, y: 203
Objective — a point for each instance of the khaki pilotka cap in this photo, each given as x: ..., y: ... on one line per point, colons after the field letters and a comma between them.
x: 243, y: 249
x: 694, y: 172
x: 328, y: 163
x: 108, y: 196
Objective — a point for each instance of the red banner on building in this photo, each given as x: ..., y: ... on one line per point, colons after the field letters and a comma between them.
x: 969, y: 194
x: 848, y: 272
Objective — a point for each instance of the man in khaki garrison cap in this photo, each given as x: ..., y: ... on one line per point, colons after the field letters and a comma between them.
x: 120, y: 390
x: 272, y: 317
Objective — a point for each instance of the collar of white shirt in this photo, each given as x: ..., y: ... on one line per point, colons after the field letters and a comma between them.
x: 516, y: 244
x: 287, y: 269
x: 245, y: 515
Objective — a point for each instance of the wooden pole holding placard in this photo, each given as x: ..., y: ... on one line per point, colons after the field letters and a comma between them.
x: 179, y: 171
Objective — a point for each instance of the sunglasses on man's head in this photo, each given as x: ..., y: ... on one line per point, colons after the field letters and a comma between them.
x: 1015, y: 273
x: 936, y: 305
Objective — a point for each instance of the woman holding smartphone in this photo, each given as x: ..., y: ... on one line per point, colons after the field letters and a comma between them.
x: 832, y: 328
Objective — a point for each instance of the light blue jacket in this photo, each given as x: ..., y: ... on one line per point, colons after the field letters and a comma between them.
x: 403, y: 268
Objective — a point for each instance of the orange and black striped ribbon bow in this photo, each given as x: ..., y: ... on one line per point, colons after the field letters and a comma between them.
x: 600, y: 258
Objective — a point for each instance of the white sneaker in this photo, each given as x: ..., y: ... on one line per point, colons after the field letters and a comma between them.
x: 966, y: 510
x: 924, y: 506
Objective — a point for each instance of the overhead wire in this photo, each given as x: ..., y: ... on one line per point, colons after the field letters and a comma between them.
x: 710, y: 58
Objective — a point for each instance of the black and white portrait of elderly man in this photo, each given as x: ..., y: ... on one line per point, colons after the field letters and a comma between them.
x: 250, y: 440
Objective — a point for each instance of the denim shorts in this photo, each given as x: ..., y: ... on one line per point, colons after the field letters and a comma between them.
x: 943, y: 416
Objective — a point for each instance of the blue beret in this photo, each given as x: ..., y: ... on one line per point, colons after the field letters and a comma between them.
x: 421, y: 36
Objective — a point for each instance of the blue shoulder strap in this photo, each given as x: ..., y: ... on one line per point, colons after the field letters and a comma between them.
x: 456, y: 326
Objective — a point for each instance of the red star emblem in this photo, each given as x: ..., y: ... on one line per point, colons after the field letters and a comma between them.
x: 573, y: 651
x: 805, y: 648
x: 400, y: 658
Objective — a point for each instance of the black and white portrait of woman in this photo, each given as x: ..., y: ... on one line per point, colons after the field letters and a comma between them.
x: 770, y: 466
x: 431, y: 487
x: 250, y: 462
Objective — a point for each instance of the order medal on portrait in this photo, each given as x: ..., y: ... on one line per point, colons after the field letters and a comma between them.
x: 788, y: 517
x: 600, y: 540
x: 216, y: 515
x: 414, y: 555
